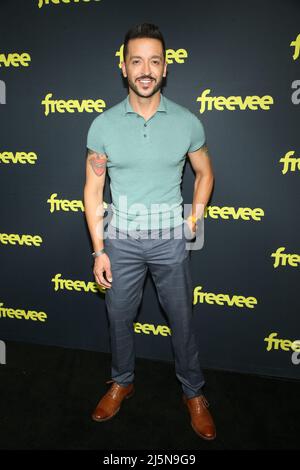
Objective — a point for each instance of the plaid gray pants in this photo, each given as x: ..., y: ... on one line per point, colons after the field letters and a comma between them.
x: 131, y: 255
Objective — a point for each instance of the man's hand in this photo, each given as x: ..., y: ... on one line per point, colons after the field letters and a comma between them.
x: 101, y: 266
x: 191, y: 227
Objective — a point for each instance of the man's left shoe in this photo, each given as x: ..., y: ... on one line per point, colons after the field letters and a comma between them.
x: 201, y: 419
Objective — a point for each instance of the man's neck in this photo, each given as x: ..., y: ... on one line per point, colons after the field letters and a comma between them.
x: 146, y: 107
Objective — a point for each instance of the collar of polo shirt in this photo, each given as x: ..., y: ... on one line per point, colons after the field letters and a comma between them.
x: 161, y: 107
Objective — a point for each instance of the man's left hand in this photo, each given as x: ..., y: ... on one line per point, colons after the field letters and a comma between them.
x: 192, y: 227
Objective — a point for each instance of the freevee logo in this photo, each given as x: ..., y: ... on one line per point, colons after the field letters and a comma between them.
x: 282, y: 259
x: 20, y: 314
x: 296, y: 45
x: 208, y: 103
x: 16, y: 239
x: 223, y: 299
x: 70, y: 106
x: 64, y: 204
x: 290, y: 163
x: 148, y: 328
x: 18, y: 157
x: 284, y: 344
x: 42, y: 3
x: 178, y: 56
x: 69, y: 284
x: 244, y: 213
x: 14, y: 59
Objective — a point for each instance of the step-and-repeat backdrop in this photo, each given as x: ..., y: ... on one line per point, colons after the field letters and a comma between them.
x: 235, y: 65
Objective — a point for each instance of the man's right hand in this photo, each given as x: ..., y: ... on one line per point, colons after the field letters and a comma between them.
x: 101, y: 266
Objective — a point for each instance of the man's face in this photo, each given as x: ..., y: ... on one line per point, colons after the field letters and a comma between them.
x: 145, y: 66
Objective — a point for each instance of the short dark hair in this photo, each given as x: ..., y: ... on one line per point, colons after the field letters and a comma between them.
x: 143, y: 30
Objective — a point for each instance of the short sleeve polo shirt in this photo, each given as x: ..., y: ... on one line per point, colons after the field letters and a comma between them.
x: 145, y: 160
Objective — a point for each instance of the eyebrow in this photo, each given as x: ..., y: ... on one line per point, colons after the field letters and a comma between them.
x: 139, y: 57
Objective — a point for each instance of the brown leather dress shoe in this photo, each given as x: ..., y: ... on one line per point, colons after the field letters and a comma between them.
x: 110, y: 403
x: 201, y: 419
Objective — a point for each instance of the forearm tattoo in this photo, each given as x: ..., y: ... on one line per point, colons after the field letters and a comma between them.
x: 97, y: 162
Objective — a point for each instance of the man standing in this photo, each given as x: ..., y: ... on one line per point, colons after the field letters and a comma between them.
x: 142, y: 142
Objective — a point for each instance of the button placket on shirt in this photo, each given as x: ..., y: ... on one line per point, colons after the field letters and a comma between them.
x: 145, y: 131
x: 145, y: 137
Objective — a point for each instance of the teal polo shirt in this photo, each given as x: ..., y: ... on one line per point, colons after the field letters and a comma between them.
x: 145, y: 160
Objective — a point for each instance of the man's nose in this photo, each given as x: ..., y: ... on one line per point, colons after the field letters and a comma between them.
x: 146, y: 69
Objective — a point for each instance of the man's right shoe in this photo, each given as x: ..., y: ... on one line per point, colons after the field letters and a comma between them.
x: 110, y: 403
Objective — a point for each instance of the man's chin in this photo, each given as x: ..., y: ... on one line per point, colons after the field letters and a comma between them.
x: 145, y: 93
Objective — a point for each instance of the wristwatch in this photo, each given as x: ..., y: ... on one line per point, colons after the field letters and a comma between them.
x: 98, y: 253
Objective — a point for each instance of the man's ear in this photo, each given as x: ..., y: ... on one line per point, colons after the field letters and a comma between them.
x: 165, y: 69
x: 123, y: 66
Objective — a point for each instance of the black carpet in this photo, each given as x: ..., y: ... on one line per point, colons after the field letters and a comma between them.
x: 48, y: 393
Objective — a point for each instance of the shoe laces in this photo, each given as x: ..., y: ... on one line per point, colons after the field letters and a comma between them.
x: 201, y: 401
x: 113, y: 391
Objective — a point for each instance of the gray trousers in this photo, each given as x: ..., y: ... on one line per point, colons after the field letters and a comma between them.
x: 168, y: 259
